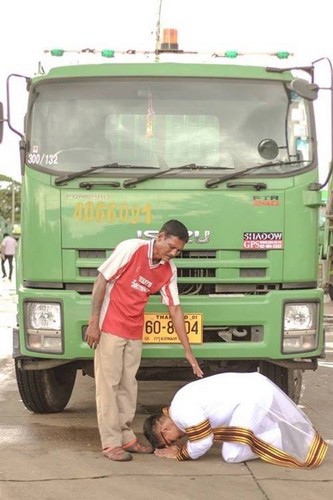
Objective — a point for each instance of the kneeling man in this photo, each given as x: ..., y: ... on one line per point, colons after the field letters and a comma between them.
x: 247, y: 412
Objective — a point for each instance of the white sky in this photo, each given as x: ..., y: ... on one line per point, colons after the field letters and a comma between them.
x: 30, y: 26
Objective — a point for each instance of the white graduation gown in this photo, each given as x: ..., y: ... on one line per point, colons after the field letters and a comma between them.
x: 251, y: 416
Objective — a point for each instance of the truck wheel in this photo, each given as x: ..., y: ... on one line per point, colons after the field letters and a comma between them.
x: 288, y: 379
x: 45, y: 391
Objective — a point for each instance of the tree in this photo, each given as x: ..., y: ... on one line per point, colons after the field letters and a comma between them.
x: 10, y: 202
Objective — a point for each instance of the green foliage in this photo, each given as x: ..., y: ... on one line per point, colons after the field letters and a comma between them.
x: 10, y: 197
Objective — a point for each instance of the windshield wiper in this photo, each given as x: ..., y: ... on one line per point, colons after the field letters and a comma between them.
x: 82, y: 173
x: 88, y: 185
x: 214, y: 182
x: 190, y: 166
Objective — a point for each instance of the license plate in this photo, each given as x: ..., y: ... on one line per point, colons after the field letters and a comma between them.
x: 158, y: 329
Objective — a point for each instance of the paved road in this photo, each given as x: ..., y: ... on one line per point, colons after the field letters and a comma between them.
x: 8, y: 301
x: 58, y: 456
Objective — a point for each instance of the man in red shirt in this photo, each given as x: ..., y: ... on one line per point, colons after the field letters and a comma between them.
x: 135, y: 270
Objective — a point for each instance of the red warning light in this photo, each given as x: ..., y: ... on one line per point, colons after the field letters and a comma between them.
x: 170, y: 41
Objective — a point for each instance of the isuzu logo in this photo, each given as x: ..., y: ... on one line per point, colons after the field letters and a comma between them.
x: 195, y: 236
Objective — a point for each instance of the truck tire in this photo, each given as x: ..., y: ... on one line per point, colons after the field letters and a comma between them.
x: 288, y: 379
x: 45, y: 391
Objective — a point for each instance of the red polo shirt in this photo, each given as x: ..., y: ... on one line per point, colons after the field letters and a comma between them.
x: 132, y: 277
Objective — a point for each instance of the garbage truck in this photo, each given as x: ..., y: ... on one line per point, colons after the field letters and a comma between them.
x: 111, y: 149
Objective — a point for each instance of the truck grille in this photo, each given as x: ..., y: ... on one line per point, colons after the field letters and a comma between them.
x: 200, y: 272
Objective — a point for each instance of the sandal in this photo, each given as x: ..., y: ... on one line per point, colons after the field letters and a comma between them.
x: 117, y: 454
x: 136, y: 447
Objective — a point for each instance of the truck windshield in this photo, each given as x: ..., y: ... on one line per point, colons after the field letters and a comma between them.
x: 219, y: 123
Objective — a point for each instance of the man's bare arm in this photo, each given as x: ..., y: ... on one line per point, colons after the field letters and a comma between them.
x: 177, y: 316
x: 93, y: 332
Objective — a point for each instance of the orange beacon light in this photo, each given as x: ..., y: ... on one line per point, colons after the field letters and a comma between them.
x: 169, y: 41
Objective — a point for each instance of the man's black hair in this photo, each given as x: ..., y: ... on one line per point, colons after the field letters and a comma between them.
x: 149, y: 430
x: 175, y: 228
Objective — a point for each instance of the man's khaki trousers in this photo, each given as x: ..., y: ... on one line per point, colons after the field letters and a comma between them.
x: 116, y: 363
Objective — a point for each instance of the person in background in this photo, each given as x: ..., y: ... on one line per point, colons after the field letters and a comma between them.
x: 246, y: 412
x: 8, y: 250
x: 136, y: 269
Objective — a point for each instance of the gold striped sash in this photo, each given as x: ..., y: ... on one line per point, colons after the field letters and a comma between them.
x: 199, y: 431
x: 194, y: 433
x: 183, y: 454
x: 270, y: 453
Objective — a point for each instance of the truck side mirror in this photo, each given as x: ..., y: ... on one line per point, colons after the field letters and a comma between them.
x: 303, y: 88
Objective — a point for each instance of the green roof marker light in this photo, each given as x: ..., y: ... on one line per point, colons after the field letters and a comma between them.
x: 231, y: 54
x: 107, y: 53
x: 57, y: 52
x: 282, y: 54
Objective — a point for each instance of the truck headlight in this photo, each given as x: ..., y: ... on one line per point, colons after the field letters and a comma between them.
x: 43, y: 322
x: 300, y: 327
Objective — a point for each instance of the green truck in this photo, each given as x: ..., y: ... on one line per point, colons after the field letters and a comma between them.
x: 326, y: 241
x: 110, y: 151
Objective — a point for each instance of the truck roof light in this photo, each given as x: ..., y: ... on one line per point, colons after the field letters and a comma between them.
x: 232, y: 54
x: 170, y: 39
x: 282, y: 54
x: 107, y: 53
x: 57, y: 52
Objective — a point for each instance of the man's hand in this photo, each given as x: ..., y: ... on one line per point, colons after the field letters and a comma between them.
x: 195, y: 365
x: 169, y: 452
x: 92, y: 336
x: 93, y: 333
